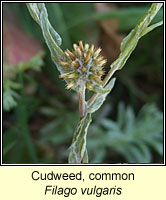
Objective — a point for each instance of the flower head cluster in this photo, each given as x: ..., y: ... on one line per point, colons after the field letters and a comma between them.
x: 83, y: 64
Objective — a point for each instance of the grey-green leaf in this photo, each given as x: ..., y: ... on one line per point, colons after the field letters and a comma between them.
x: 150, y: 28
x: 78, y: 151
x: 51, y: 42
x: 39, y: 13
x: 101, y: 97
x: 101, y: 90
x: 34, y: 11
x: 130, y: 41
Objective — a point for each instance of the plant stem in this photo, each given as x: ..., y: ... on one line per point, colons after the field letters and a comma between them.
x: 81, y: 99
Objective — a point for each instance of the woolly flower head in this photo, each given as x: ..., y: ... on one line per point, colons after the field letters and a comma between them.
x: 83, y: 64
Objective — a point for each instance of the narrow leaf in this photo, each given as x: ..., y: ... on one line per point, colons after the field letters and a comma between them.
x: 78, y: 151
x: 101, y: 97
x: 130, y: 41
x: 39, y: 13
x: 150, y: 28
x: 51, y: 42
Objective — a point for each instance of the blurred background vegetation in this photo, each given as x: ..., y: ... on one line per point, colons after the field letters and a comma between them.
x: 40, y: 115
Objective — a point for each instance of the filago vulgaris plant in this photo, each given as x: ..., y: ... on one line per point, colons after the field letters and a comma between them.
x: 83, y: 68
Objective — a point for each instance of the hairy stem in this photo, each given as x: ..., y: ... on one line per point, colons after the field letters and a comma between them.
x: 81, y: 99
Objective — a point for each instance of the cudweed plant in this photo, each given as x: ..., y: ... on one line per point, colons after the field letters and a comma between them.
x: 83, y: 67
